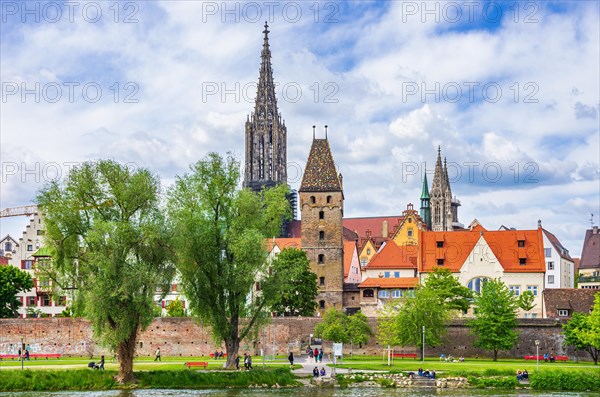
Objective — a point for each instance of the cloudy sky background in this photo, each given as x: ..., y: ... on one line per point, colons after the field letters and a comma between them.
x: 525, y: 148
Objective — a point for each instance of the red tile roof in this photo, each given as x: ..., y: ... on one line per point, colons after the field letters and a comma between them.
x: 3, y: 260
x: 380, y: 282
x: 349, y: 249
x: 392, y: 256
x: 372, y: 224
x: 320, y: 174
x: 503, y: 243
x: 283, y: 243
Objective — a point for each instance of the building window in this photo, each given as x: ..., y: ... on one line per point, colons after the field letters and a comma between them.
x: 384, y: 293
x: 440, y: 262
x: 321, y: 235
x: 28, y: 264
x: 550, y: 265
x: 321, y: 304
x: 368, y: 251
x: 439, y: 244
x: 39, y: 232
x: 31, y: 301
x: 521, y: 243
x: 321, y: 214
x: 550, y: 279
x: 29, y: 247
x: 410, y: 232
x: 397, y: 293
x: 8, y: 247
x: 363, y: 262
x: 313, y: 199
x: 515, y: 289
x: 45, y: 300
x: 409, y: 220
x: 397, y: 274
x: 477, y: 283
x: 321, y: 259
x: 563, y: 312
x: 328, y: 199
x: 522, y: 261
x: 386, y: 274
x: 548, y: 252
x: 368, y: 293
x: 321, y: 281
x: 533, y: 289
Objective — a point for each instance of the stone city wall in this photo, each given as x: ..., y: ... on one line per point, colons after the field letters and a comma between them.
x: 185, y: 337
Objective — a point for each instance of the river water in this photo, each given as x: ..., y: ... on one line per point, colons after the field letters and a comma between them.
x: 303, y: 392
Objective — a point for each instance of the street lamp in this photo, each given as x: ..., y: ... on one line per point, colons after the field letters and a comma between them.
x: 309, y: 339
x: 537, y: 354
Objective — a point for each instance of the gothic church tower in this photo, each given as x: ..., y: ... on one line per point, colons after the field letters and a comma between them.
x: 266, y: 134
x: 443, y: 207
x: 322, y: 209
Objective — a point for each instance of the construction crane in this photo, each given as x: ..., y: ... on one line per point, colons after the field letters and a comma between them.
x: 19, y: 211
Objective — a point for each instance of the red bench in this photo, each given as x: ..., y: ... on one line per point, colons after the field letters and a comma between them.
x: 541, y: 358
x: 190, y: 364
x: 11, y: 356
x: 213, y: 355
x: 404, y: 355
x: 34, y: 356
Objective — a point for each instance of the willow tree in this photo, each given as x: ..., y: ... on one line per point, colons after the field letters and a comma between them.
x: 109, y: 239
x: 219, y: 232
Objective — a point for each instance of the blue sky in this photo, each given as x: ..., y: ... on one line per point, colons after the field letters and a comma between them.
x: 510, y: 90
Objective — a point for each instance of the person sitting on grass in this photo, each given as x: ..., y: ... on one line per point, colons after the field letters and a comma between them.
x: 519, y: 375
x: 426, y: 374
x: 316, y: 372
x: 420, y: 372
x: 323, y: 371
x: 432, y: 374
x: 552, y: 359
x: 525, y: 374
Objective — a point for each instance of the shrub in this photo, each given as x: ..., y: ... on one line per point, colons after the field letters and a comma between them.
x: 563, y: 380
x: 499, y: 382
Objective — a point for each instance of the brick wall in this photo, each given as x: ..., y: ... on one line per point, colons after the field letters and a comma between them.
x: 185, y: 337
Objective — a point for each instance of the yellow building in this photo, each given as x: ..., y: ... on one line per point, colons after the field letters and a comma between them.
x: 407, y: 231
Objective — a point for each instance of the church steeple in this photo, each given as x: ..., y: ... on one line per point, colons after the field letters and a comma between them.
x: 425, y: 208
x: 266, y: 134
x: 443, y: 207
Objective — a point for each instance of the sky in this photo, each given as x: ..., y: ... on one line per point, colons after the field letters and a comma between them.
x: 509, y: 90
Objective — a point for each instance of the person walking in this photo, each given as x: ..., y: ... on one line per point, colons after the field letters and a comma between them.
x: 316, y: 353
x: 246, y: 361
x: 291, y: 359
x: 237, y: 362
x: 101, y: 363
x: 157, y: 355
x: 249, y: 361
x: 321, y: 355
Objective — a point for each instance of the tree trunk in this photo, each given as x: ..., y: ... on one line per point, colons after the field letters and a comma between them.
x: 126, y: 351
x: 495, y: 354
x: 232, y: 346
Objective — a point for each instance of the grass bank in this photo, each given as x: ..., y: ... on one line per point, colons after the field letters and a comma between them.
x: 103, y: 380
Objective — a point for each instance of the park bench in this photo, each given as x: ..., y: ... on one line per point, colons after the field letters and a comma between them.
x: 46, y: 356
x: 190, y: 364
x: 404, y: 355
x: 541, y: 358
x: 213, y: 355
x: 6, y: 356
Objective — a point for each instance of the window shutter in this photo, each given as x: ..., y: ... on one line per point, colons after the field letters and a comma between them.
x: 163, y: 304
x: 23, y: 301
x: 22, y: 264
x: 183, y: 302
x: 35, y: 300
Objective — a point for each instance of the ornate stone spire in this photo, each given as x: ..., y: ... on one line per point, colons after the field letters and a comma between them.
x: 266, y: 134
x: 425, y: 199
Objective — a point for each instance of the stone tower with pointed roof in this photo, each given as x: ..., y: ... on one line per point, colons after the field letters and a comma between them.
x: 443, y: 207
x: 266, y: 134
x: 322, y: 209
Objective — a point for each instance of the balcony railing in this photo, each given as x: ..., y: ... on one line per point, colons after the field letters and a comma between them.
x: 589, y: 279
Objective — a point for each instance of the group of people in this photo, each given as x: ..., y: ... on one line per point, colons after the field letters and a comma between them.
x: 316, y: 372
x: 451, y: 359
x: 317, y: 354
x: 522, y: 375
x: 219, y: 355
x: 24, y: 354
x: 549, y: 358
x: 426, y: 374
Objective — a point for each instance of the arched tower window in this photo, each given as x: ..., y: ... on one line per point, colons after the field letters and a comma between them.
x: 321, y: 235
x: 312, y: 199
x: 321, y: 258
x: 321, y: 214
x: 328, y: 199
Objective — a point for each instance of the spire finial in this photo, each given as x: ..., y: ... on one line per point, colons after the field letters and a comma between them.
x: 325, y: 131
x: 266, y: 31
x: 314, y: 126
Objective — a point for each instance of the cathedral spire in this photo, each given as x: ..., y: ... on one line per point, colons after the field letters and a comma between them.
x: 425, y: 199
x: 266, y: 134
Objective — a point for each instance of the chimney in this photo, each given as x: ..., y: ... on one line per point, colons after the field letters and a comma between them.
x: 539, y: 223
x: 384, y: 229
x: 595, y: 230
x: 368, y: 233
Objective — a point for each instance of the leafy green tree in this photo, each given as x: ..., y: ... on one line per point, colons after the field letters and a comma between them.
x: 418, y: 310
x: 333, y: 327
x: 451, y: 292
x: 525, y: 301
x: 12, y: 282
x: 175, y: 309
x: 387, y: 332
x: 359, y: 330
x: 582, y: 331
x: 495, y: 317
x: 299, y: 298
x: 109, y: 240
x: 219, y: 232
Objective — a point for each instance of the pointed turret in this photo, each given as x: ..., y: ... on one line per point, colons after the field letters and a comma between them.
x: 425, y: 208
x: 266, y: 134
x: 320, y: 174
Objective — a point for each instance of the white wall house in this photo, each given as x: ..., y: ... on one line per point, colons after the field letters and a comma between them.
x: 560, y: 267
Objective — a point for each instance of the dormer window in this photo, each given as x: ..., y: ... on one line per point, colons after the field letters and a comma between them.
x: 521, y: 243
x: 439, y: 244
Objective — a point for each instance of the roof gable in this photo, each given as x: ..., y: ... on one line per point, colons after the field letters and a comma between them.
x: 350, y: 254
x: 590, y: 254
x: 562, y: 251
x: 392, y: 256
